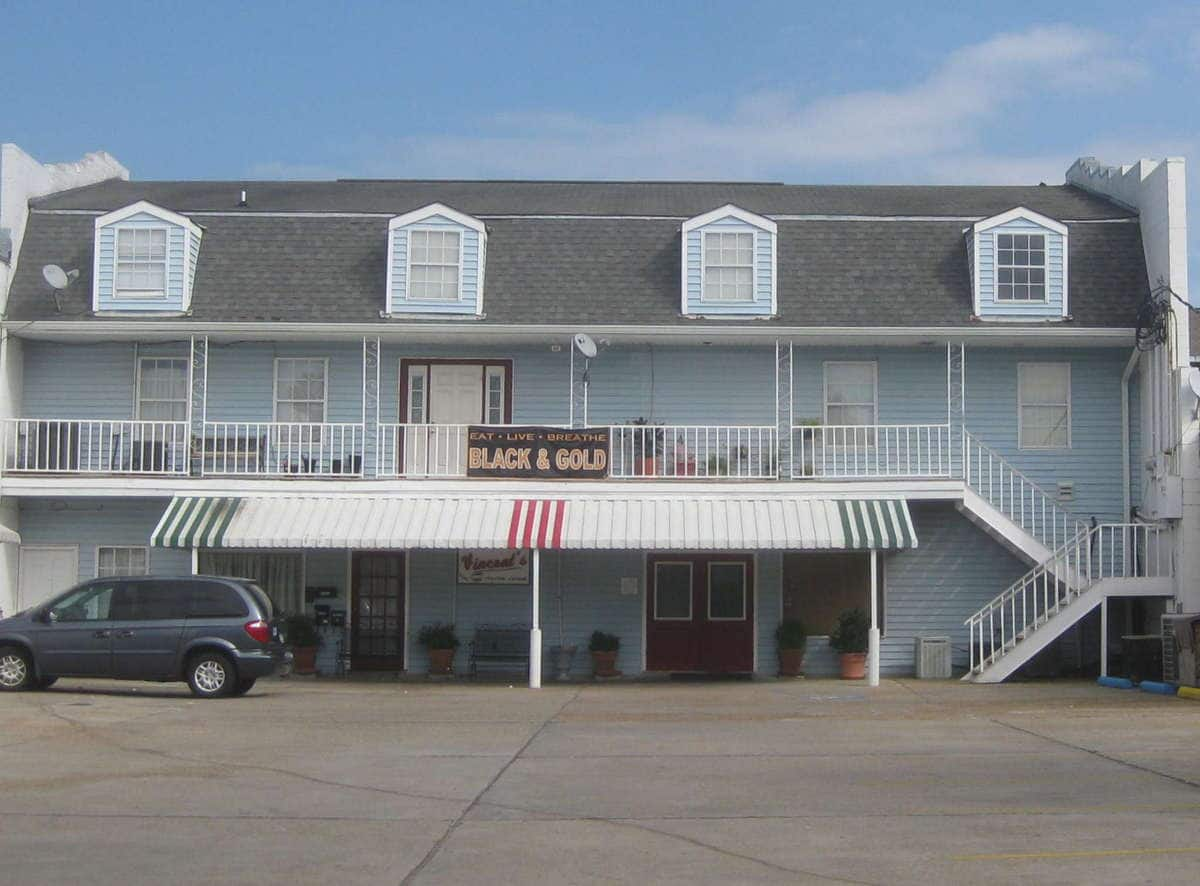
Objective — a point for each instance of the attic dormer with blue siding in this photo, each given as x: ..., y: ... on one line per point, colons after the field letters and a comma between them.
x: 729, y: 262
x: 436, y: 260
x: 145, y: 261
x: 1019, y: 266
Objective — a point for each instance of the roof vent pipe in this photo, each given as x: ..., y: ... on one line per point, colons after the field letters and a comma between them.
x: 242, y: 199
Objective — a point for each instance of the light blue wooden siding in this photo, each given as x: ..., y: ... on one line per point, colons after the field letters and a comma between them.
x: 931, y: 589
x: 764, y: 267
x: 1093, y: 463
x: 88, y: 381
x: 193, y: 260
x: 541, y: 379
x: 470, y: 282
x: 241, y: 379
x: 911, y: 382
x: 89, y: 522
x: 683, y: 385
x: 988, y: 305
x: 586, y: 583
x: 178, y: 266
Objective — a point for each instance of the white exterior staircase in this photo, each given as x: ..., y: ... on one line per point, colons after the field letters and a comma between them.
x: 1107, y: 560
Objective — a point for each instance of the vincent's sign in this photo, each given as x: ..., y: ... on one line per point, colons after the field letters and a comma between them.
x: 493, y: 567
x: 549, y: 453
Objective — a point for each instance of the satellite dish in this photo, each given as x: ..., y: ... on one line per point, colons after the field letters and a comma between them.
x: 1194, y: 381
x: 57, y: 277
x: 586, y: 346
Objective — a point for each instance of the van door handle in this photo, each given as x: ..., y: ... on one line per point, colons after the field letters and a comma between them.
x: 124, y: 635
x: 102, y: 635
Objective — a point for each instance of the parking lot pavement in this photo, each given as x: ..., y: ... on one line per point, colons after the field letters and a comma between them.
x: 805, y: 781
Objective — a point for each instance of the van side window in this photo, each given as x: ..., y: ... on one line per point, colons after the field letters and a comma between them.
x: 209, y: 599
x: 92, y: 603
x: 151, y: 601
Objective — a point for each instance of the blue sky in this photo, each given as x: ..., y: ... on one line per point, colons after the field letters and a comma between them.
x: 850, y: 92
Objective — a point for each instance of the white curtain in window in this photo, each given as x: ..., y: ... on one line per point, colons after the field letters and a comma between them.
x: 279, y: 574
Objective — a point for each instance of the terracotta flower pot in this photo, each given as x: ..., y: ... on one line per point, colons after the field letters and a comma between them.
x: 604, y: 664
x: 791, y: 662
x: 854, y: 665
x: 304, y: 659
x: 441, y: 661
x: 649, y: 466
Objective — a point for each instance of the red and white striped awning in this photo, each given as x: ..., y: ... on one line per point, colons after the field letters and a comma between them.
x: 774, y: 521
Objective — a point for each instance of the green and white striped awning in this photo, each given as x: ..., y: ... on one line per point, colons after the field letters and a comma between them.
x: 195, y: 522
x: 732, y: 521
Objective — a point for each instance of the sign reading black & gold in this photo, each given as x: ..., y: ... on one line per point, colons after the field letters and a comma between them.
x: 537, y: 452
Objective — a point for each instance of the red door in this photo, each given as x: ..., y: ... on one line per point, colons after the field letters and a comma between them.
x: 377, y: 603
x: 700, y: 613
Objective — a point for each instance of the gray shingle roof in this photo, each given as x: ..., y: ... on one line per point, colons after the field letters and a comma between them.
x: 590, y: 198
x: 589, y: 270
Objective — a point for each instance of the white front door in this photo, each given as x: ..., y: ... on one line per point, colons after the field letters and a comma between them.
x: 443, y: 399
x: 45, y: 570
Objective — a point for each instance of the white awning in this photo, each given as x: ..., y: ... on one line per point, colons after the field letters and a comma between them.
x: 611, y: 522
x: 8, y: 535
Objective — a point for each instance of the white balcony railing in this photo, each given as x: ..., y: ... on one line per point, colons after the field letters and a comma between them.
x: 703, y: 452
x: 82, y: 446
x: 277, y: 449
x: 422, y: 450
x: 871, y: 451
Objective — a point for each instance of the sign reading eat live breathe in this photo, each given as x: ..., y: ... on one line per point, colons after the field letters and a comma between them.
x: 537, y: 452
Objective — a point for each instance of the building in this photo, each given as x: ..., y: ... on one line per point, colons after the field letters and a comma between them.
x: 676, y: 412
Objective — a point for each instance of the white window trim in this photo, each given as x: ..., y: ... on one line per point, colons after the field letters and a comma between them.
x: 168, y: 218
x: 704, y: 296
x: 408, y: 265
x: 96, y: 561
x: 137, y: 387
x: 492, y: 372
x: 762, y: 225
x: 985, y: 225
x: 1045, y: 268
x: 120, y: 294
x: 691, y: 588
x: 825, y: 367
x: 1021, y: 408
x: 414, y: 218
x: 745, y: 589
x: 324, y: 387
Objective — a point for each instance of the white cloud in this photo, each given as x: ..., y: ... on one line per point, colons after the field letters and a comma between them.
x: 930, y: 122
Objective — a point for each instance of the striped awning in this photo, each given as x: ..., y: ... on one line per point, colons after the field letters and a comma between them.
x: 608, y: 522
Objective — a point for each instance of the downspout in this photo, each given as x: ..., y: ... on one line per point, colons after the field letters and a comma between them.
x: 1127, y: 494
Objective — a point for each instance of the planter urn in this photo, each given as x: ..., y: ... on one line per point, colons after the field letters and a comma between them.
x: 604, y: 664
x: 791, y: 662
x: 304, y: 659
x: 441, y: 661
x: 854, y: 665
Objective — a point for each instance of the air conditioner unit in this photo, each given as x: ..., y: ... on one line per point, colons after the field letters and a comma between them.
x: 931, y: 658
x: 1181, y: 648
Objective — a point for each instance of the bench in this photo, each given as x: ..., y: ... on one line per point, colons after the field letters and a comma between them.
x: 500, y: 645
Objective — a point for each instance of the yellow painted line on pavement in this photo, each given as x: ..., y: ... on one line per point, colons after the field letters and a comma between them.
x: 1093, y: 853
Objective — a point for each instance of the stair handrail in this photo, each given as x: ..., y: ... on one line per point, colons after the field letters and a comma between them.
x: 1068, y: 572
x: 1041, y: 502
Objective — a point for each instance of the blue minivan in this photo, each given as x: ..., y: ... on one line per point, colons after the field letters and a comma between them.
x: 217, y: 634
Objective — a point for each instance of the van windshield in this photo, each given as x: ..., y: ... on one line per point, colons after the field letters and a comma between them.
x: 262, y: 598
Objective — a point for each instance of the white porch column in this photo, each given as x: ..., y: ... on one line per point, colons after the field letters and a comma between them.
x: 1104, y: 637
x: 873, y: 635
x: 535, y: 630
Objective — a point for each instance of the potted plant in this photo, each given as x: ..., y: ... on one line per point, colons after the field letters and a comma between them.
x: 604, y: 653
x: 718, y: 466
x: 300, y: 632
x: 440, y: 641
x: 791, y: 638
x: 647, y: 446
x: 850, y: 639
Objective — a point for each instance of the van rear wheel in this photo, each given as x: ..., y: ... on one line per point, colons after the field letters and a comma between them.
x: 16, y: 669
x: 211, y: 675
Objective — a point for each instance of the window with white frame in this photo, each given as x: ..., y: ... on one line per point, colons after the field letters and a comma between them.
x: 418, y: 404
x: 1020, y: 267
x: 1044, y: 405
x: 300, y: 389
x: 141, y: 263
x: 851, y: 394
x: 121, y: 560
x: 162, y: 389
x: 728, y: 266
x: 494, y: 395
x: 433, y: 262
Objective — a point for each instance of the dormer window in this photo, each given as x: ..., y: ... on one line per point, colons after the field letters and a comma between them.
x: 433, y: 261
x: 436, y: 262
x: 1020, y: 267
x: 1018, y: 263
x: 728, y: 266
x: 141, y: 263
